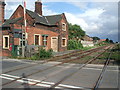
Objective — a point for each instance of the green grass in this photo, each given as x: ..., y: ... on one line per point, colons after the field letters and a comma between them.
x: 104, y: 55
x: 114, y: 56
x: 87, y: 48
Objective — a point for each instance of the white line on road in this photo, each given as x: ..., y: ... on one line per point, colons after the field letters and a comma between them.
x: 6, y: 78
x: 99, y: 69
x: 40, y: 83
x: 69, y: 86
x: 10, y: 76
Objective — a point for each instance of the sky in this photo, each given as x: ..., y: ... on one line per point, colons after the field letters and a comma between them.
x: 96, y: 17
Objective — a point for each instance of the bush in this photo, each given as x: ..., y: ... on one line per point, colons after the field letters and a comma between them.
x: 42, y: 54
x: 74, y: 44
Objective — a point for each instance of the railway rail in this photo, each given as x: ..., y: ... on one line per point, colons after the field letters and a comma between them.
x: 65, y: 61
x: 97, y: 83
x: 66, y: 77
x: 58, y: 58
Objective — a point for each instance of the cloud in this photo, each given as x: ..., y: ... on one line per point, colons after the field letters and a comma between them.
x: 101, y: 19
x: 92, y: 13
x: 10, y: 8
x: 76, y: 20
x: 86, y: 20
x: 97, y: 18
x: 47, y: 11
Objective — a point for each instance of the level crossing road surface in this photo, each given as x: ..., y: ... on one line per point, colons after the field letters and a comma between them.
x: 81, y: 79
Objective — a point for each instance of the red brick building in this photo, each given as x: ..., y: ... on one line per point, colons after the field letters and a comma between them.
x: 48, y: 31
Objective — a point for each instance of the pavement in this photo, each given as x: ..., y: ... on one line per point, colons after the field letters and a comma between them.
x: 48, y: 75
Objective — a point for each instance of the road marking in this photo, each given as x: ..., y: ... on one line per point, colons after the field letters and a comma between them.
x: 10, y: 76
x: 39, y: 83
x: 43, y: 85
x: 92, y: 68
x: 7, y: 78
x: 69, y: 86
x: 99, y: 69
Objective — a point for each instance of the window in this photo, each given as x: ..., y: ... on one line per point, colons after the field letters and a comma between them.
x: 36, y: 39
x: 6, y: 41
x: 63, y: 26
x: 64, y: 42
x: 44, y: 40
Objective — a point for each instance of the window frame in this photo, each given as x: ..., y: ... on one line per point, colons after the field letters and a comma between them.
x: 64, y: 26
x: 65, y: 42
x: 44, y: 40
x: 4, y: 41
x: 39, y: 38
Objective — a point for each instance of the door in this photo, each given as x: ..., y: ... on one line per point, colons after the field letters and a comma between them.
x: 54, y: 44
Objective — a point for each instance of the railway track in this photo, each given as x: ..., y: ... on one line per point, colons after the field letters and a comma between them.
x: 98, y: 82
x: 66, y: 77
x: 58, y: 58
x: 65, y: 61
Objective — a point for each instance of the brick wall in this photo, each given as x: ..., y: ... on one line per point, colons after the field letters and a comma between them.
x: 34, y: 30
x: 63, y: 34
x: 55, y: 31
x: 5, y: 52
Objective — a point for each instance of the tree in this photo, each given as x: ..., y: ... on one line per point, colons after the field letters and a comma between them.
x: 96, y: 38
x: 111, y: 41
x: 75, y: 31
x: 107, y: 40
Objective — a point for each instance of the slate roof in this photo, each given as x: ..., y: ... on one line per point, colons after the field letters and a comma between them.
x: 54, y: 19
x: 11, y: 21
x: 38, y: 18
x: 46, y: 20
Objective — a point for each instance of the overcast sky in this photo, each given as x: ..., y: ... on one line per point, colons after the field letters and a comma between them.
x: 97, y: 18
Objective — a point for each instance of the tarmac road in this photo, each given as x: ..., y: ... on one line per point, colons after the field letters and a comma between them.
x: 82, y: 79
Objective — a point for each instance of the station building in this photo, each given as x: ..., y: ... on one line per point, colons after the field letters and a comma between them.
x: 51, y: 31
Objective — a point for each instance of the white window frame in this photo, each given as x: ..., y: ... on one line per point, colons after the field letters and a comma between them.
x: 64, y: 26
x: 65, y: 42
x: 45, y: 39
x: 34, y: 38
x: 4, y: 41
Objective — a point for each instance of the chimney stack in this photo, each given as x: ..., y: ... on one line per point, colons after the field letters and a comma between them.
x: 2, y: 7
x: 38, y: 7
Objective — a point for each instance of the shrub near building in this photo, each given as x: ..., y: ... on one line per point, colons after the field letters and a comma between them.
x: 75, y: 34
x: 74, y: 44
x: 42, y: 54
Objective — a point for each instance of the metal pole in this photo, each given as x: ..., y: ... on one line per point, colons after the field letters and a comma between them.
x: 25, y: 24
x: 22, y: 43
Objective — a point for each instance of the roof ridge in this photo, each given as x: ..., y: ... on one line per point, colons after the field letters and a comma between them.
x: 54, y: 15
x: 47, y: 20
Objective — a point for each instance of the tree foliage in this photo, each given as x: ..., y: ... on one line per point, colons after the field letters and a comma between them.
x: 109, y: 41
x: 74, y: 44
x: 75, y: 31
x: 96, y: 38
